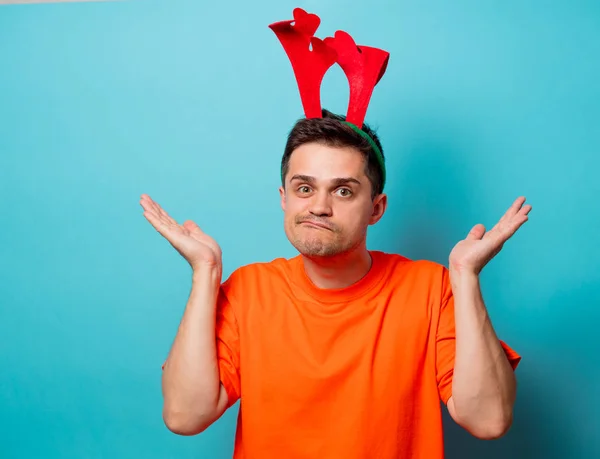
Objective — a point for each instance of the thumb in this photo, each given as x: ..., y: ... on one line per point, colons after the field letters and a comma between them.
x: 476, y: 232
x: 191, y: 226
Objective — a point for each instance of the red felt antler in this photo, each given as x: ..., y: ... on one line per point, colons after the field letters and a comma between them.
x: 364, y: 66
x: 309, y: 67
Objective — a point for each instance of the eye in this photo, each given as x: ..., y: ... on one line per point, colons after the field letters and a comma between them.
x: 304, y: 189
x: 344, y: 192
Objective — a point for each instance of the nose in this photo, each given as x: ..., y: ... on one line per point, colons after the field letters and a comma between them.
x: 320, y: 205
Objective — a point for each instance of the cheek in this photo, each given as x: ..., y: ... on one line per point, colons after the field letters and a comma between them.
x: 290, y: 213
x: 356, y: 220
x: 293, y: 205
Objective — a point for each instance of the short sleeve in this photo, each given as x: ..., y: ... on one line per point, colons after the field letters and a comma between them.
x: 445, y: 342
x: 228, y: 346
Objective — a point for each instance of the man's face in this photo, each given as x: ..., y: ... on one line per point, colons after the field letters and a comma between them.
x: 327, y: 200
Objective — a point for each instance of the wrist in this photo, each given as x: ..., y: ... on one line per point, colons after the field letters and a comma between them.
x: 206, y: 274
x: 463, y: 279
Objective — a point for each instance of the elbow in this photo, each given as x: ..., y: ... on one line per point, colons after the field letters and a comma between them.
x: 483, y: 423
x: 492, y: 429
x: 185, y: 423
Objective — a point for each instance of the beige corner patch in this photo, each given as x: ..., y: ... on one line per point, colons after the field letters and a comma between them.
x: 30, y: 2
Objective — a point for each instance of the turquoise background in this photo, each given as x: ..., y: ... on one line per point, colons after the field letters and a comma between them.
x: 190, y: 102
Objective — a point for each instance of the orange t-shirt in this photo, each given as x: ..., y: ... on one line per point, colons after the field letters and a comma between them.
x: 357, y: 372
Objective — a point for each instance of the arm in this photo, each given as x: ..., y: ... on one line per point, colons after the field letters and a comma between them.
x: 484, y: 384
x: 193, y: 395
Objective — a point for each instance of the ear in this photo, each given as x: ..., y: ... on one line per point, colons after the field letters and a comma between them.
x: 282, y: 195
x: 379, y: 208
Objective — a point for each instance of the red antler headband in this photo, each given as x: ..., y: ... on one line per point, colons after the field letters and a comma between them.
x: 363, y: 66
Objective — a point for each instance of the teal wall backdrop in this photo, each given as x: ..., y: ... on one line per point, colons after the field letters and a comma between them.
x: 190, y: 102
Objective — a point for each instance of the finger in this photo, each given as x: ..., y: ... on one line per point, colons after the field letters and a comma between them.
x: 166, y: 215
x: 152, y: 212
x: 145, y: 202
x: 514, y: 208
x: 155, y: 206
x: 160, y: 211
x: 476, y: 232
x: 508, y: 229
x: 200, y: 235
x: 159, y: 224
x: 512, y: 229
x: 506, y: 222
x: 526, y: 209
x: 149, y: 205
x: 158, y: 217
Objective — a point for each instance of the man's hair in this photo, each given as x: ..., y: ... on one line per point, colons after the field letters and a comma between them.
x: 331, y: 130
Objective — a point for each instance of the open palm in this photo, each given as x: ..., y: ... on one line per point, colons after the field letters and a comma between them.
x: 188, y: 239
x: 479, y: 247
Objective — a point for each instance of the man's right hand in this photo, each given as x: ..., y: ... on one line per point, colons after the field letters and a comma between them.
x: 199, y: 249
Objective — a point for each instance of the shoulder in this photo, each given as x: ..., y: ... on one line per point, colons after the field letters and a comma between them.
x: 275, y: 266
x: 259, y: 273
x: 421, y: 270
x: 399, y: 259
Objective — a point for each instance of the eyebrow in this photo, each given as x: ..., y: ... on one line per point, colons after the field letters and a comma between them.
x: 336, y: 181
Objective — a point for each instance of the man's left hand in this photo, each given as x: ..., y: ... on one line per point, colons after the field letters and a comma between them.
x: 473, y: 253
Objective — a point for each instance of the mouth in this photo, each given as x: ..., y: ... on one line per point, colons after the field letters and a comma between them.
x: 315, y: 225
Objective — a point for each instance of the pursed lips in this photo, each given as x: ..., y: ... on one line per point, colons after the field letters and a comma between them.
x: 315, y: 224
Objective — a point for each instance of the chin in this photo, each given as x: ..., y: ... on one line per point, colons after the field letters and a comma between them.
x: 312, y: 247
x: 317, y: 253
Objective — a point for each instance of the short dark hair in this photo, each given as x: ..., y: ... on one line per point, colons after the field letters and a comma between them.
x: 331, y: 130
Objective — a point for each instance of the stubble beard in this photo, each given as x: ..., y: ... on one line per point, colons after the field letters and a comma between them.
x: 315, y: 246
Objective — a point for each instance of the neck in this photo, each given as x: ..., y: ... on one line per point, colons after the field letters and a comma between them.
x: 338, y: 271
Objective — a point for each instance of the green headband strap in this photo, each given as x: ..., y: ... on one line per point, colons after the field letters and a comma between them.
x: 375, y: 148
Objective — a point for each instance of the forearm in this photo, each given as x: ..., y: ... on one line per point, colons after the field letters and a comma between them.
x: 191, y: 383
x: 484, y: 386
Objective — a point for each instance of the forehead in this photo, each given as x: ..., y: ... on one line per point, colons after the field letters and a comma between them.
x: 323, y: 161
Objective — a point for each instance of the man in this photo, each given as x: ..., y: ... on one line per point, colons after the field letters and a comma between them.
x: 340, y: 352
